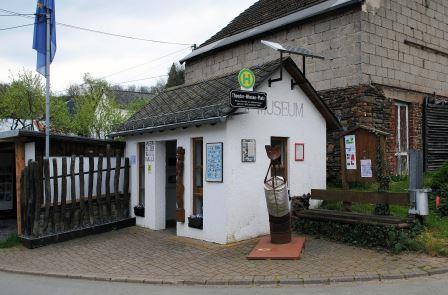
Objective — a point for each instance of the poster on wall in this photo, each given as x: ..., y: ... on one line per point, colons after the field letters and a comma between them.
x: 248, y: 150
x: 366, y: 168
x: 150, y: 148
x: 214, y: 165
x: 300, y: 152
x: 350, y: 152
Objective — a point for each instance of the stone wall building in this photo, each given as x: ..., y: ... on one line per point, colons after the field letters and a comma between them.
x: 383, y: 58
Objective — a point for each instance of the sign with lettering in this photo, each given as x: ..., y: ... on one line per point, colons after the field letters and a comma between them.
x: 350, y: 152
x: 246, y: 78
x: 279, y: 108
x: 248, y: 150
x: 150, y: 150
x: 214, y: 165
x: 248, y: 99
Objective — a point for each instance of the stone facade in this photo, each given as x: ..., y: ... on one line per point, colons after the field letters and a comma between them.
x: 363, y: 104
x: 392, y: 31
x: 336, y: 36
x: 398, y: 46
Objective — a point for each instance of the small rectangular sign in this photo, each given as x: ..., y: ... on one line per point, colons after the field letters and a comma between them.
x: 248, y: 99
x: 214, y: 162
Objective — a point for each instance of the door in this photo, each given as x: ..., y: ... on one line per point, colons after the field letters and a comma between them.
x: 402, y: 145
x: 198, y: 176
x: 170, y: 184
x: 6, y: 182
x: 281, y: 165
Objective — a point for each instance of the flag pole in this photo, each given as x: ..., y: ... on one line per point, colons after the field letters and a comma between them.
x: 47, y: 88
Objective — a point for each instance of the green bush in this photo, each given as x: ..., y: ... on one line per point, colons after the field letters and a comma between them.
x: 439, y: 185
x: 388, y: 237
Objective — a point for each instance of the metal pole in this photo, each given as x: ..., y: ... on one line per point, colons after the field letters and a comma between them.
x: 47, y: 89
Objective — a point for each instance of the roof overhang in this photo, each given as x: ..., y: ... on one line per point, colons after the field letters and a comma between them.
x: 301, y: 15
x: 140, y: 131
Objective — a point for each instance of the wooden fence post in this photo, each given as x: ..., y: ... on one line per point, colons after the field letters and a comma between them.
x: 47, y: 192
x: 109, y: 206
x: 126, y: 188
x: 63, y: 193
x: 99, y: 184
x: 90, y: 192
x: 117, y: 184
x: 37, y: 189
x: 55, y: 193
x: 72, y: 190
x: 81, y: 192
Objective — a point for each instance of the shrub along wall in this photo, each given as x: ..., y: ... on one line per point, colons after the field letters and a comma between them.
x: 387, y: 237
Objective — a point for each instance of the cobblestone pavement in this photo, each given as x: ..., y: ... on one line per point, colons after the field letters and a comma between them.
x: 140, y: 255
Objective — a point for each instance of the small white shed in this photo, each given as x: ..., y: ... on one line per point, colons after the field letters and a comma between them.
x: 225, y: 160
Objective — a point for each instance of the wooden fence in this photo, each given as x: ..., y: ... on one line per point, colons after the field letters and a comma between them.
x: 50, y: 206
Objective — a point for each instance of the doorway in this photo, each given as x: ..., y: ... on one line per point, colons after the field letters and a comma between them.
x: 281, y: 165
x: 170, y: 184
x: 8, y: 222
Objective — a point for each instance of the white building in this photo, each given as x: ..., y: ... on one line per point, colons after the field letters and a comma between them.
x: 192, y: 116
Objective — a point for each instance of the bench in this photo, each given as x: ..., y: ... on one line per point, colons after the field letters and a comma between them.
x: 354, y: 217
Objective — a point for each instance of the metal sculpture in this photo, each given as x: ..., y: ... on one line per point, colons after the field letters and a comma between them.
x: 277, y: 200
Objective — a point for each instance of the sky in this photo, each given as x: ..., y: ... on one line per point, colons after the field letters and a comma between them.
x: 79, y: 52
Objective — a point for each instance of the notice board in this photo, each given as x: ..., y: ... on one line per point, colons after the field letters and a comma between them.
x: 214, y: 162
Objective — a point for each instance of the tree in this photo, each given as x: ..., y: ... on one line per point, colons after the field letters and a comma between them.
x: 96, y: 111
x: 23, y: 101
x: 176, y: 75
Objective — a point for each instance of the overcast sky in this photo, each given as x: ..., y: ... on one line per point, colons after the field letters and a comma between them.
x: 79, y: 52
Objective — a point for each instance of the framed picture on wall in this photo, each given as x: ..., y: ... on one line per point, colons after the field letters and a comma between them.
x: 214, y: 162
x: 248, y: 150
x: 300, y: 152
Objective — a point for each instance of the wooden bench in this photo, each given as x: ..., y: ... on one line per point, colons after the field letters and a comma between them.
x: 353, y: 217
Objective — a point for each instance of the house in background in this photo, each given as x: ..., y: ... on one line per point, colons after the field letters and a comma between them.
x: 225, y: 160
x: 383, y: 59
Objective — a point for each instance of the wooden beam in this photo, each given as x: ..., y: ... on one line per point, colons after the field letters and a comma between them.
x: 361, y: 197
x: 20, y: 166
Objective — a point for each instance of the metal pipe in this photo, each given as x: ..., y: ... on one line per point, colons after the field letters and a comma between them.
x: 47, y: 88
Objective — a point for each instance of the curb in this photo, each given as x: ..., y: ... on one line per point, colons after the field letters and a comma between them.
x: 236, y: 281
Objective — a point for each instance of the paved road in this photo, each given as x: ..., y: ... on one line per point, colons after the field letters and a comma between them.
x: 39, y: 285
x: 141, y: 254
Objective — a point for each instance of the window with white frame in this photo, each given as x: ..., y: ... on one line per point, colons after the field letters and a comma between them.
x: 402, y: 143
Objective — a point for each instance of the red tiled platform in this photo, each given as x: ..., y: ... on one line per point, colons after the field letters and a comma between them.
x: 265, y: 250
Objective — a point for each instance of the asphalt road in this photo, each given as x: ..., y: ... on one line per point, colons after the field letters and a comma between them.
x: 37, y: 285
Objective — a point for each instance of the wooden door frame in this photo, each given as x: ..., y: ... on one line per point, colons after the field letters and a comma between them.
x: 195, y: 193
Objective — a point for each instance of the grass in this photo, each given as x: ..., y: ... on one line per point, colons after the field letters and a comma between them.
x: 11, y: 241
x: 433, y: 240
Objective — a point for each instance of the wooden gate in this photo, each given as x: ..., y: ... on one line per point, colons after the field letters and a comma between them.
x: 55, y: 206
x: 435, y: 125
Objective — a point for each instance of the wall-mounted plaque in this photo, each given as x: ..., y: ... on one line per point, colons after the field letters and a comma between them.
x: 350, y: 152
x: 300, y: 152
x: 248, y: 150
x: 248, y: 99
x: 150, y: 148
x: 214, y: 162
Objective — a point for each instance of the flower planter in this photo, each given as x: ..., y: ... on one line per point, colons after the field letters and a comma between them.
x: 139, y: 211
x: 195, y: 222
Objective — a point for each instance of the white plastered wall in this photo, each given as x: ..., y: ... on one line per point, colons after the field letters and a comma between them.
x: 214, y: 193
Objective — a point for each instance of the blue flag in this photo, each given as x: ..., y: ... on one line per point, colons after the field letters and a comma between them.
x: 40, y: 34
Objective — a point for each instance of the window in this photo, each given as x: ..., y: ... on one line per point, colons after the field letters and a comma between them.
x: 198, y: 176
x: 402, y: 145
x: 281, y: 165
x: 141, y: 173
